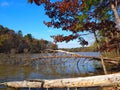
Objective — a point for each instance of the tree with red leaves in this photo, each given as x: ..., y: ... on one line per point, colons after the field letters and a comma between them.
x: 81, y: 16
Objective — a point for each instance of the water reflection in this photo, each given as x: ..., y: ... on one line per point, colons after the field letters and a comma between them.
x: 66, y: 68
x: 48, y: 69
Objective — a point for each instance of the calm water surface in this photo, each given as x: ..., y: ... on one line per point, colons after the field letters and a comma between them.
x: 50, y: 69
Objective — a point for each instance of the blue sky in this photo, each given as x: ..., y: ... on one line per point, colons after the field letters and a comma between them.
x: 20, y: 15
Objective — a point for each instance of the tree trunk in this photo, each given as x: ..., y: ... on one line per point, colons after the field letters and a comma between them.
x: 114, y: 9
x: 92, y: 81
x: 96, y: 39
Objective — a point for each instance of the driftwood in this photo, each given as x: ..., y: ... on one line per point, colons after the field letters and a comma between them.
x: 47, y: 57
x: 108, y: 60
x: 91, y: 81
x: 71, y: 53
x: 90, y: 57
x: 74, y: 55
x: 114, y: 61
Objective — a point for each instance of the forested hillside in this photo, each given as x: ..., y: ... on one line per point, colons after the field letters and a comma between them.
x: 11, y: 41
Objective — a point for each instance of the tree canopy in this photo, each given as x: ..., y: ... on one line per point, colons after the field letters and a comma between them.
x: 99, y: 17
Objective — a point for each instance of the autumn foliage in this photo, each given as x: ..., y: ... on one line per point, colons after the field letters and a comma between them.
x: 62, y: 14
x: 79, y: 16
x: 14, y: 41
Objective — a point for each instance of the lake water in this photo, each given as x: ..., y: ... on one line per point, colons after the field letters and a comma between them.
x: 50, y: 69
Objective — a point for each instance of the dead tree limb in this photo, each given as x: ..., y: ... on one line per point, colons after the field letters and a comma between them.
x: 75, y: 55
x: 71, y: 53
x: 91, y: 81
x: 103, y: 65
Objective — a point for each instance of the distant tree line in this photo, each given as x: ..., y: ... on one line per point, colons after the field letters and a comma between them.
x: 11, y: 41
x: 81, y: 49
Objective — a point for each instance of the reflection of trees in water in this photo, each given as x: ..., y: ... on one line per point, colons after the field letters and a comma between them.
x: 12, y: 72
x: 65, y: 66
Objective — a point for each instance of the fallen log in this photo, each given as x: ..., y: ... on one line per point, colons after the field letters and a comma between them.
x: 71, y: 53
x: 75, y: 55
x: 90, y: 57
x: 47, y: 57
x: 111, y: 60
x: 91, y: 81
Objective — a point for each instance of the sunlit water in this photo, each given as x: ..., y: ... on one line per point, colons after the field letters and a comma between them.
x: 50, y: 69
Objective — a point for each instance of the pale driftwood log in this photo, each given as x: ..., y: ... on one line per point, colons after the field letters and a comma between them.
x: 71, y: 53
x: 46, y: 57
x: 90, y: 57
x: 81, y: 56
x: 91, y: 81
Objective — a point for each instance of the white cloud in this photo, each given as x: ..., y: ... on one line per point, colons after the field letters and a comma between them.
x: 4, y: 4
